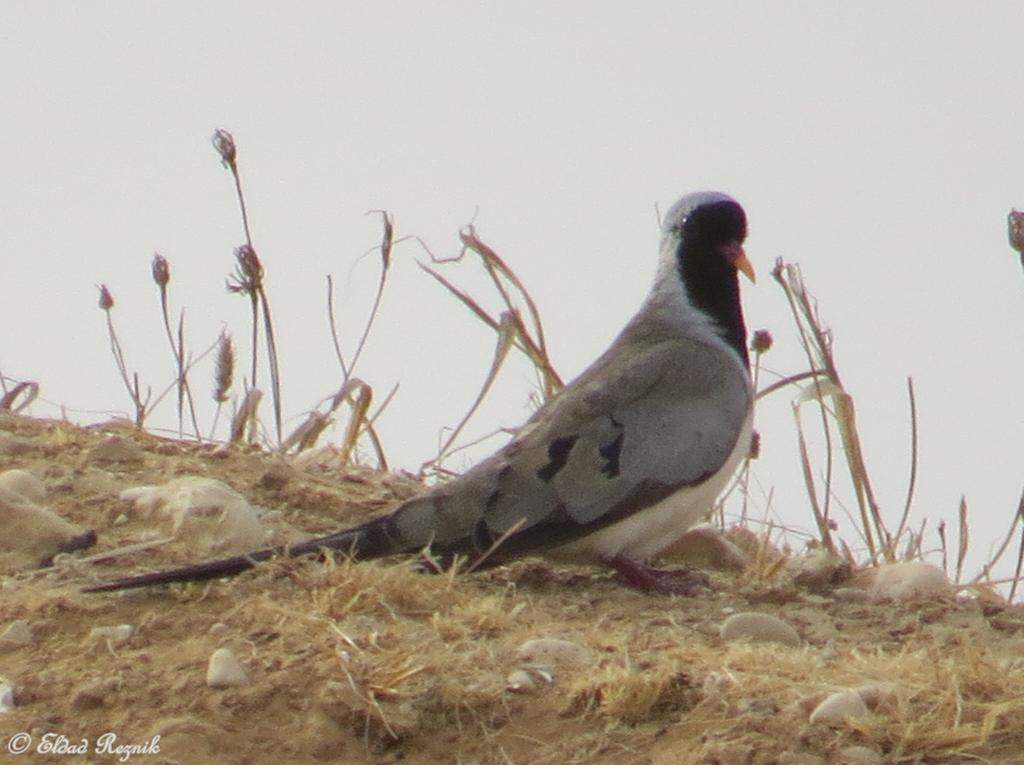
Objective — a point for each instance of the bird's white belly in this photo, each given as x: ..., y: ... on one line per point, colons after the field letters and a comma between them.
x: 647, y: 532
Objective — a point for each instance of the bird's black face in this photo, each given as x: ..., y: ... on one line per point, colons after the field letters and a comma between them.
x: 710, y: 253
x: 713, y: 226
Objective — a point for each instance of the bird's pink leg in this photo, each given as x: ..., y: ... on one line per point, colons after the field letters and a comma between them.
x: 649, y: 579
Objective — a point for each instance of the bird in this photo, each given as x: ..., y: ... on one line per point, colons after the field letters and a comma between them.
x: 619, y: 463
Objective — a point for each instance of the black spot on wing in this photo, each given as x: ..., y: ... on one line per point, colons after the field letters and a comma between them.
x: 611, y: 451
x: 482, y: 538
x: 558, y: 455
x: 492, y: 499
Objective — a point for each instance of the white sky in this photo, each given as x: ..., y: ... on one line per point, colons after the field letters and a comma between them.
x: 879, y: 145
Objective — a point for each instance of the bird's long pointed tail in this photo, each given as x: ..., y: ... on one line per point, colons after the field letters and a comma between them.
x: 351, y: 541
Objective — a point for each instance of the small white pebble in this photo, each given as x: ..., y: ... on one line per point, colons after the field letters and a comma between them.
x: 116, y: 635
x: 24, y: 484
x: 6, y: 697
x: 758, y: 628
x: 900, y: 581
x: 528, y: 680
x: 874, y: 694
x: 819, y: 569
x: 203, y: 513
x: 18, y: 631
x: 839, y: 707
x: 705, y: 547
x: 225, y: 670
x: 549, y: 653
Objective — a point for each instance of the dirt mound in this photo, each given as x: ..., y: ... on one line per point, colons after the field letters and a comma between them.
x: 376, y: 663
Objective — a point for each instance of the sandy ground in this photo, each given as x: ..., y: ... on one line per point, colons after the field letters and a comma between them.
x: 376, y: 663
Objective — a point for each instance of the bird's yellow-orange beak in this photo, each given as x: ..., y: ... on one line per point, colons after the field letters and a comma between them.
x: 733, y: 252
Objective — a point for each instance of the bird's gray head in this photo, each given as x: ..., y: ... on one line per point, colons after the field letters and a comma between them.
x: 688, y: 204
x: 707, y: 223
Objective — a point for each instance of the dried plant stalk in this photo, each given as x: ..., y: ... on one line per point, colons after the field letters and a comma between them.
x: 535, y: 344
x: 106, y: 304
x: 820, y: 515
x: 248, y: 280
x: 359, y: 395
x: 531, y: 344
x: 1020, y: 549
x: 223, y: 376
x: 965, y: 539
x: 1017, y: 520
x: 224, y: 143
x: 386, y: 243
x: 225, y: 368
x: 305, y: 436
x: 162, y: 277
x: 507, y: 330
x: 26, y: 390
x: 245, y: 417
x: 817, y: 344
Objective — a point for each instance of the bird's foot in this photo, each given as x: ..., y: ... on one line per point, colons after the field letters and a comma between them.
x: 678, y: 581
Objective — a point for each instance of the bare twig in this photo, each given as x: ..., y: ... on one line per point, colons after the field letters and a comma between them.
x: 805, y: 463
x: 790, y: 380
x: 533, y: 347
x: 26, y: 389
x: 245, y: 416
x: 224, y: 143
x: 371, y: 431
x: 359, y: 396
x: 248, y: 273
x: 944, y: 546
x: 495, y: 545
x: 275, y: 370
x: 791, y: 281
x: 248, y: 280
x: 913, y: 459
x: 507, y: 330
x: 1020, y: 549
x: 162, y: 276
x: 387, y: 241
x: 817, y: 344
x: 1011, y: 534
x: 334, y: 328
x: 498, y: 269
x: 964, y: 539
x: 106, y: 303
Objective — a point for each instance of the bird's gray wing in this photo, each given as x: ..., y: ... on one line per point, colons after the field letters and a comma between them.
x: 645, y: 420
